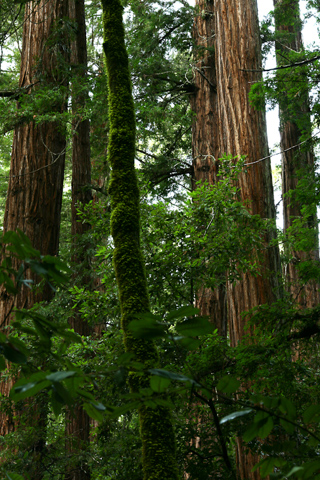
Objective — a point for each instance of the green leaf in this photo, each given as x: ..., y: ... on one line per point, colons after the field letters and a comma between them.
x: 118, y: 411
x: 14, y: 476
x: 287, y: 426
x: 251, y: 432
x: 260, y: 429
x: 63, y: 393
x: 265, y: 466
x: 293, y: 471
x: 28, y: 390
x: 187, y: 311
x: 173, y: 376
x: 159, y: 384
x: 56, y: 402
x: 311, y: 414
x: 234, y: 415
x: 92, y: 412
x: 286, y: 406
x: 193, y: 327
x: 188, y: 342
x: 59, y: 376
x: 148, y: 329
x: 309, y: 469
x: 228, y: 384
x: 13, y: 355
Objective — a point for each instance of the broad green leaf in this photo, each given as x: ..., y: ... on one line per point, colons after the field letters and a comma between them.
x: 28, y: 390
x: 194, y: 327
x: 93, y: 412
x: 287, y: 426
x: 59, y: 376
x: 309, y: 469
x: 150, y: 403
x: 115, y: 412
x: 188, y: 342
x: 234, y: 415
x: 286, y: 406
x: 266, y: 427
x: 64, y: 394
x: 187, y: 311
x: 311, y: 414
x: 294, y: 470
x: 260, y: 429
x: 13, y: 355
x: 313, y: 442
x: 159, y: 384
x: 251, y: 432
x: 14, y: 476
x: 56, y: 402
x: 98, y: 406
x: 265, y: 466
x: 228, y: 384
x: 173, y: 376
x: 149, y: 317
x: 148, y: 329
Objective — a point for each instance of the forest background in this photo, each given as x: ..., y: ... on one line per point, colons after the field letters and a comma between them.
x: 234, y: 301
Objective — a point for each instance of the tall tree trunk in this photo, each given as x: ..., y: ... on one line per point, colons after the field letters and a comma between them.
x: 242, y: 131
x: 37, y: 163
x: 205, y: 149
x: 78, y: 421
x: 288, y: 28
x: 156, y: 429
x: 205, y: 154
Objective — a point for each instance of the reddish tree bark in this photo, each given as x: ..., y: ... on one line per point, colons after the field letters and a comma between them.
x: 242, y: 131
x: 37, y: 167
x: 205, y: 149
x: 288, y: 27
x: 78, y: 421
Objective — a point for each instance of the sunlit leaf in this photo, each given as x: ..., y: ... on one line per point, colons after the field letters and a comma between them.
x: 234, y: 415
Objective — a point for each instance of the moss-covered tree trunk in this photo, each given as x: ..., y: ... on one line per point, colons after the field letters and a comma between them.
x: 157, y: 434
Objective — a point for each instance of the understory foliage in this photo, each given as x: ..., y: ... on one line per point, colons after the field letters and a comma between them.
x: 265, y: 390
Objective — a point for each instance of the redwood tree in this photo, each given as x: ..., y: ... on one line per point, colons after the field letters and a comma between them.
x: 205, y: 151
x: 78, y: 421
x: 242, y: 131
x: 38, y: 154
x: 295, y: 124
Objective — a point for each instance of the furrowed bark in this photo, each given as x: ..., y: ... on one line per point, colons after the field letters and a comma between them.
x: 242, y: 131
x: 205, y: 149
x: 36, y: 180
x: 157, y: 435
x: 78, y: 421
x: 288, y: 28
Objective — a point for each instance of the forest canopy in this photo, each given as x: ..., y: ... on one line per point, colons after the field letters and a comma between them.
x: 159, y: 303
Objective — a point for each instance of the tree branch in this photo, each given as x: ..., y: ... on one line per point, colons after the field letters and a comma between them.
x: 282, y: 67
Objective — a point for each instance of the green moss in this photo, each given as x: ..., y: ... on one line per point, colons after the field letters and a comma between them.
x: 158, y: 441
